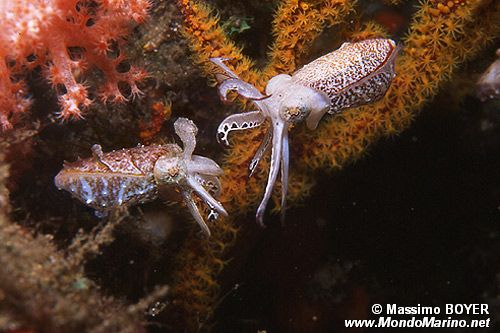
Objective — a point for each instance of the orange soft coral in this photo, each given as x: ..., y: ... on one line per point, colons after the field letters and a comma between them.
x: 439, y: 40
x: 66, y: 37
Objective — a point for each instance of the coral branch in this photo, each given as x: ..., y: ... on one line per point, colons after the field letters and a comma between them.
x: 195, y: 286
x: 208, y: 40
x: 13, y: 100
x: 296, y: 24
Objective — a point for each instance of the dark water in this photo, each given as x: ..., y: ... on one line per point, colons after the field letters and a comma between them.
x: 415, y: 222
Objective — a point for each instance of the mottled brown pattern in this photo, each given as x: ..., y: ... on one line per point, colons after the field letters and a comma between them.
x: 122, y: 177
x: 367, y: 91
x: 361, y: 71
x: 137, y: 160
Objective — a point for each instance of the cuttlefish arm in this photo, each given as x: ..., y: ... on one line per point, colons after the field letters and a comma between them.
x: 211, y: 184
x: 204, y: 166
x: 279, y: 128
x: 285, y: 161
x: 186, y: 130
x: 203, y: 194
x: 239, y: 121
x: 264, y: 145
x: 241, y: 87
x: 229, y: 81
x: 193, y: 209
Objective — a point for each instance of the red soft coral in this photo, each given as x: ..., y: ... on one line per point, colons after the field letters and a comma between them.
x: 49, y: 33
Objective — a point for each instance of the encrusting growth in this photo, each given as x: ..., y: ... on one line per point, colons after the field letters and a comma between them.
x: 44, y: 289
x: 296, y: 24
x: 442, y: 35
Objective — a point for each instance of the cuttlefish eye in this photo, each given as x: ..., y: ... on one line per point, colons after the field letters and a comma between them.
x: 294, y: 113
x: 294, y: 107
x: 169, y: 170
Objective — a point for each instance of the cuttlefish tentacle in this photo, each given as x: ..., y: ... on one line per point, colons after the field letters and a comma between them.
x: 239, y: 121
x: 279, y: 128
x: 231, y: 82
x: 285, y: 161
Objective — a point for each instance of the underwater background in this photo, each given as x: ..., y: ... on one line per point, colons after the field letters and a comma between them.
x: 396, y: 202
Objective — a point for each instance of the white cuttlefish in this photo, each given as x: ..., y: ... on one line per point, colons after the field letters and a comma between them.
x: 353, y: 75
